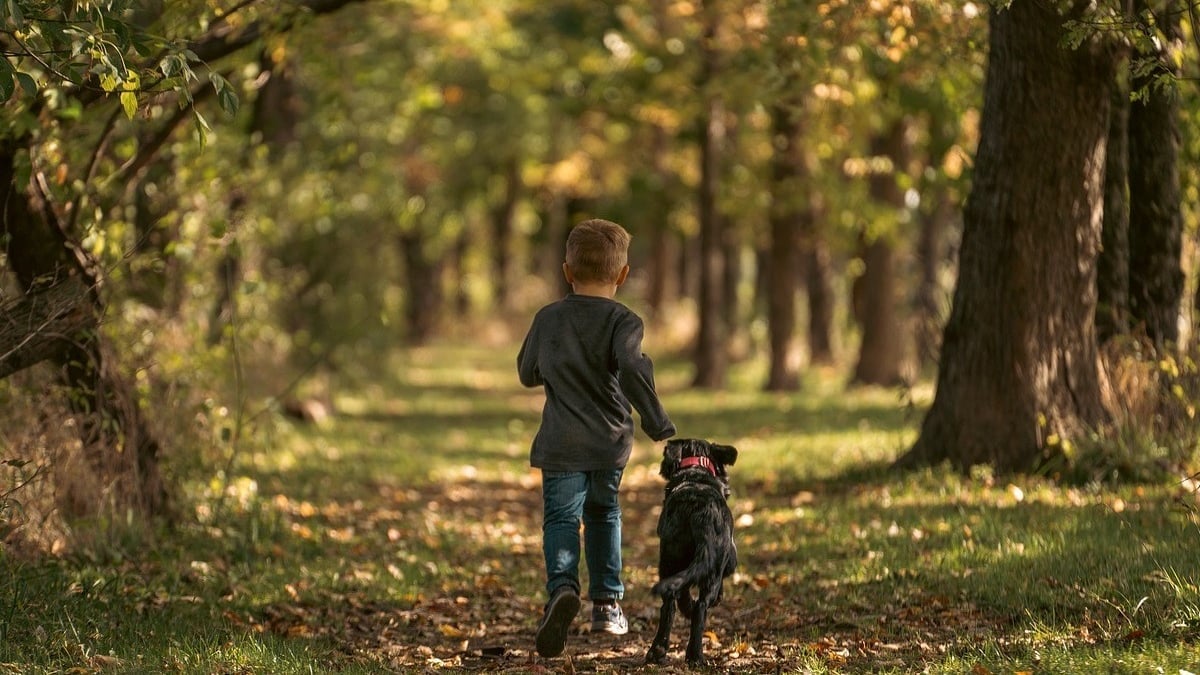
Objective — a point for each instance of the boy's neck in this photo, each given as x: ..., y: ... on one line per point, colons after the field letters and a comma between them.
x: 595, y: 290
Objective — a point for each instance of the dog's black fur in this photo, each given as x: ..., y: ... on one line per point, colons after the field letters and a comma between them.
x: 696, y: 547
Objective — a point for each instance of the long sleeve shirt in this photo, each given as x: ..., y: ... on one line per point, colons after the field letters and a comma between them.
x: 587, y: 353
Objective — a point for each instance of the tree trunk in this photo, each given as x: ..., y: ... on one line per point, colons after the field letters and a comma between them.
x: 423, y: 288
x: 663, y: 272
x: 818, y: 284
x: 782, y: 260
x: 1020, y: 366
x: 117, y: 441
x: 39, y: 326
x: 931, y: 255
x: 731, y: 310
x: 710, y: 356
x: 502, y: 225
x: 1155, y: 217
x: 881, y: 352
x: 1112, y: 268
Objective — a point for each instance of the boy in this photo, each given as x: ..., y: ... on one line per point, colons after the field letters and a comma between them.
x: 586, y: 350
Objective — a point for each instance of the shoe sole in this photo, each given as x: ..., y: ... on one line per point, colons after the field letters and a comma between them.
x: 552, y: 636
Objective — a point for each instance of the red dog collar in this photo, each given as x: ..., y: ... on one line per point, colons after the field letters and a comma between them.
x: 702, y: 462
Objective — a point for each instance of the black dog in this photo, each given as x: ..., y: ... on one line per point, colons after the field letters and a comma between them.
x: 695, y: 533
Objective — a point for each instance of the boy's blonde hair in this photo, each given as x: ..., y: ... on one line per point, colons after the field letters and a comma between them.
x: 597, y: 250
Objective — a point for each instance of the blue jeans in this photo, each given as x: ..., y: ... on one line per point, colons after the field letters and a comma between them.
x: 590, y: 497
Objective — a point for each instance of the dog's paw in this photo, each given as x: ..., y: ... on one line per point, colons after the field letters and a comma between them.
x: 656, y: 655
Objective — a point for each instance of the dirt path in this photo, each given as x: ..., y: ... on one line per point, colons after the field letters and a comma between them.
x: 476, y: 619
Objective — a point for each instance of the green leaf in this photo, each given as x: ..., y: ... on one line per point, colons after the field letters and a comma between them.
x: 227, y: 98
x: 171, y: 65
x: 129, y: 102
x: 202, y: 128
x: 13, y: 10
x: 7, y: 85
x: 27, y: 83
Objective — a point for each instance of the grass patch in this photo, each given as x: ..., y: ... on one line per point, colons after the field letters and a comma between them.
x: 406, y: 535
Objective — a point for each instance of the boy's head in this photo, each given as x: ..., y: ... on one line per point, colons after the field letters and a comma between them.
x: 598, y: 251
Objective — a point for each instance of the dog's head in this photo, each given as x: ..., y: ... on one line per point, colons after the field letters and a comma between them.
x: 688, y: 452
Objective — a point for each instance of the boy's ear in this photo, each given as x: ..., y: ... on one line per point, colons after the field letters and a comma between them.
x: 567, y: 274
x: 725, y: 454
x: 624, y: 274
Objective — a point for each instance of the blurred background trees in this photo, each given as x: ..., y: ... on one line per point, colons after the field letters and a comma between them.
x: 217, y: 214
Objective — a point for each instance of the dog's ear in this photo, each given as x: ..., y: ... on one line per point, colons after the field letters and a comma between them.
x: 725, y: 454
x: 672, y: 454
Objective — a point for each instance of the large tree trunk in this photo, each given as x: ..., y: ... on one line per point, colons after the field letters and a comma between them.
x: 881, y: 352
x: 787, y: 174
x: 1020, y: 366
x: 711, y: 358
x: 1155, y: 218
x: 1112, y: 267
x: 117, y: 441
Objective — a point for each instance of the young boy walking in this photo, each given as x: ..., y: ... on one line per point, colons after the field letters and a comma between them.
x: 586, y: 351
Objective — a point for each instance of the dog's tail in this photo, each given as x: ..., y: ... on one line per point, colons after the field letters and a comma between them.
x: 704, y: 567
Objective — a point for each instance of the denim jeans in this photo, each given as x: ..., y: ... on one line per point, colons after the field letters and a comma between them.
x: 569, y: 497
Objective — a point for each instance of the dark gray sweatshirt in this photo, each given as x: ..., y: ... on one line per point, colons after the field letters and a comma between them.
x: 587, y: 353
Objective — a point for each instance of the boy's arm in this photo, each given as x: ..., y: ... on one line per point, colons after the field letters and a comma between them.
x: 635, y: 374
x: 527, y: 364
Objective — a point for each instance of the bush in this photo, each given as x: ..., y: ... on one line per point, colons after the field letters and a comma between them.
x: 1154, y: 434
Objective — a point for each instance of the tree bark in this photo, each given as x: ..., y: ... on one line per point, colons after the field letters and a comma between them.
x: 1155, y: 216
x: 424, y: 293
x: 117, y: 441
x: 1020, y: 366
x: 502, y: 225
x: 663, y: 288
x: 42, y: 324
x: 1112, y: 267
x: 931, y: 256
x: 881, y: 352
x: 710, y: 358
x: 783, y: 254
x: 818, y: 283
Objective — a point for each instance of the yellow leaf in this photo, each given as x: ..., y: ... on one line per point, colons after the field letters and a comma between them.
x: 451, y: 631
x: 129, y: 103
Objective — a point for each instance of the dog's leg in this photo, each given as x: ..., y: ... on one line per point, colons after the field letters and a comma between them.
x: 695, y: 646
x: 662, y: 638
x: 686, y: 604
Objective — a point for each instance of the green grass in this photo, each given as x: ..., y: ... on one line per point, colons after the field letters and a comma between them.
x: 405, y: 535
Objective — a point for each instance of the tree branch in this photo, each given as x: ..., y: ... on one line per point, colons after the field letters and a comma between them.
x: 40, y: 325
x: 223, y: 40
